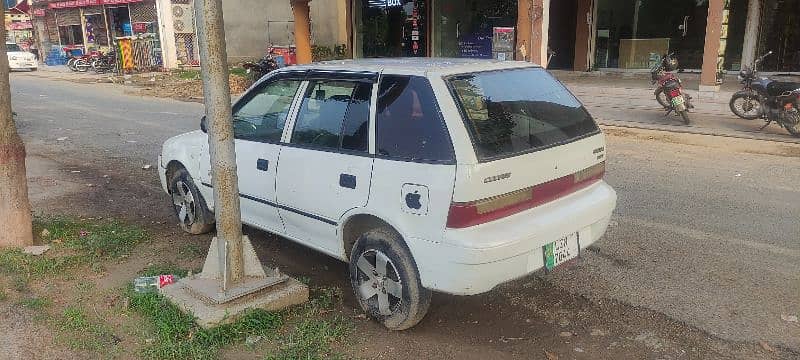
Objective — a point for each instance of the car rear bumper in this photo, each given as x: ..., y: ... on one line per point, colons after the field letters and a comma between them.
x: 476, y: 259
x: 22, y: 64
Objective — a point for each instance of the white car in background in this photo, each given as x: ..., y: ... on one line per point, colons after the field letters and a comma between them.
x: 19, y: 59
x: 450, y: 175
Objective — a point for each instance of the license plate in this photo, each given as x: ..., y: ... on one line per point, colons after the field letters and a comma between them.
x: 561, y: 251
x: 678, y: 100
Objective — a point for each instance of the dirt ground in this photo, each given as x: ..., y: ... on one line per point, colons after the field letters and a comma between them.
x: 531, y: 318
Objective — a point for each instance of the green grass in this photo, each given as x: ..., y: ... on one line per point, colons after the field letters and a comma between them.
x: 163, y: 269
x: 35, y: 303
x: 238, y: 71
x: 85, y: 243
x: 189, y: 74
x: 192, y: 251
x: 313, y: 332
x: 3, y: 295
x: 95, y: 239
x: 312, y: 338
x: 80, y: 332
x: 177, y: 336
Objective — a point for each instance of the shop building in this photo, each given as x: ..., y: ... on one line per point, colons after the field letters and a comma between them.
x: 251, y: 26
x: 17, y: 24
x: 81, y: 26
x: 707, y: 36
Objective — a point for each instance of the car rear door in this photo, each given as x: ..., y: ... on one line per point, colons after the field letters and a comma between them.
x: 325, y: 165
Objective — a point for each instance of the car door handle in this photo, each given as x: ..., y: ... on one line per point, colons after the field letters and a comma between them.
x: 347, y: 181
x: 262, y: 165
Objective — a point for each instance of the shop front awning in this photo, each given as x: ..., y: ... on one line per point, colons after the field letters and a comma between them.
x: 83, y: 3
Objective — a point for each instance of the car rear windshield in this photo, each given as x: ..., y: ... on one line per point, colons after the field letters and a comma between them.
x: 12, y: 47
x: 516, y: 111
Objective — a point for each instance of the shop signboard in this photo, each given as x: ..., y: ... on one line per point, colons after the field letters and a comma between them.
x: 83, y: 3
x: 139, y: 28
x: 478, y: 46
x: 38, y: 12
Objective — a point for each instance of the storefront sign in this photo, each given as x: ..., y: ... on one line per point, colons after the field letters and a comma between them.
x: 139, y: 28
x: 38, y: 12
x: 82, y: 3
x: 477, y: 46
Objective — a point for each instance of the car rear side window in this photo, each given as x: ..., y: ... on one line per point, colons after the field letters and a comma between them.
x: 516, y: 111
x: 409, y: 125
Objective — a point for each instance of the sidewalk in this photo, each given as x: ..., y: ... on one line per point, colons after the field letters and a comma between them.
x: 627, y: 100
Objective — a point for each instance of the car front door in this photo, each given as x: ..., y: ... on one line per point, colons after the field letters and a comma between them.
x: 259, y: 121
x: 326, y: 167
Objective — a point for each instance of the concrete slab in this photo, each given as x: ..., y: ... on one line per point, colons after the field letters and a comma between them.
x: 276, y: 297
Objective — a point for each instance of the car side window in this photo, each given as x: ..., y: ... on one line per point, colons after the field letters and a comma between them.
x: 334, y: 115
x: 262, y: 116
x: 409, y: 125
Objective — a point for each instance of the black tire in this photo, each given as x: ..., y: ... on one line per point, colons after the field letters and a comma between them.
x: 71, y: 64
x: 661, y: 97
x: 685, y: 117
x: 193, y: 214
x: 400, y: 276
x: 747, y: 99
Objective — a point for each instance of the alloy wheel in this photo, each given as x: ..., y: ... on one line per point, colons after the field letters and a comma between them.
x: 184, y: 203
x: 379, y: 282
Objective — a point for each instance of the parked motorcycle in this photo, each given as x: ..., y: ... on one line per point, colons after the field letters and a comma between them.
x: 105, y: 63
x: 261, y: 67
x: 669, y: 92
x: 763, y: 98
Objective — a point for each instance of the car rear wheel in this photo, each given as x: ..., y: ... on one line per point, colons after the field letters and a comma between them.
x: 386, y: 281
x: 193, y: 215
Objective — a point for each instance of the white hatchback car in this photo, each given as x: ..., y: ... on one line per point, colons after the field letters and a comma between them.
x: 19, y: 59
x: 448, y: 175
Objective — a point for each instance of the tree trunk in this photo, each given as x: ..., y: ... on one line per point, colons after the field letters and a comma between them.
x: 15, y: 210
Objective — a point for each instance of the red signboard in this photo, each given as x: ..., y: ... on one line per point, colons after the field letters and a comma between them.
x: 139, y: 28
x: 82, y: 3
x: 38, y: 12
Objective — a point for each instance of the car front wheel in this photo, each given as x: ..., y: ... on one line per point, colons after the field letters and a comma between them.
x: 190, y: 208
x: 386, y: 281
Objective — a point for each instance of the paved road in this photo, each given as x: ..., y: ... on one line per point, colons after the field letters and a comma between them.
x: 704, y: 235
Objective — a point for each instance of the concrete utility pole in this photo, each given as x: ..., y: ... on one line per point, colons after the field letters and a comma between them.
x: 15, y: 210
x: 217, y: 95
x: 232, y: 269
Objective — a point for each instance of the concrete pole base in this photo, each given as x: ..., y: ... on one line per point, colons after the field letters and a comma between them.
x: 204, y: 295
x: 208, y: 314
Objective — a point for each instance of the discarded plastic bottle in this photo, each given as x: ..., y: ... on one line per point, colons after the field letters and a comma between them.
x: 153, y: 283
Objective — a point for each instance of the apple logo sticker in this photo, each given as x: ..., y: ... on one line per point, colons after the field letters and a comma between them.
x: 414, y: 199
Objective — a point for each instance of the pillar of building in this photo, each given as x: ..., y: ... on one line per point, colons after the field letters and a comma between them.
x: 532, y: 31
x: 302, y: 30
x: 750, y: 44
x: 708, y: 77
x: 583, y: 31
x: 166, y: 33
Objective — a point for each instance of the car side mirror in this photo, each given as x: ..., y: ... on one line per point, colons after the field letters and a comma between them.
x: 204, y: 124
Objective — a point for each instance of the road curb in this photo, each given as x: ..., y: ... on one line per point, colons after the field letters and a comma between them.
x: 694, y: 131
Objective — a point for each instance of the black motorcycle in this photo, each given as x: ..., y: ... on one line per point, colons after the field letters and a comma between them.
x: 763, y: 98
x: 263, y: 66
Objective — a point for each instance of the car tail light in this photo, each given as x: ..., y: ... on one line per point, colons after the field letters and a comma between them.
x: 463, y: 215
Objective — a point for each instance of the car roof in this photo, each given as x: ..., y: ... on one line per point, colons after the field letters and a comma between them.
x: 413, y: 66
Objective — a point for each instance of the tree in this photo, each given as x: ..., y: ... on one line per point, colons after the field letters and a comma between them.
x: 15, y: 210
